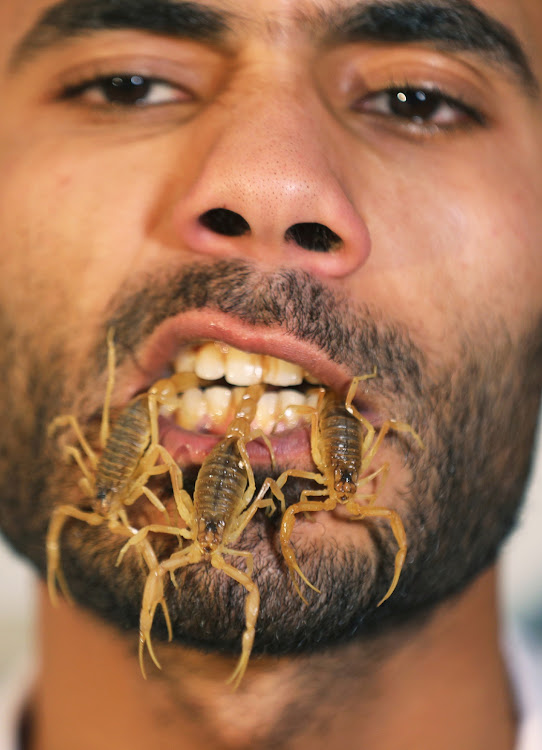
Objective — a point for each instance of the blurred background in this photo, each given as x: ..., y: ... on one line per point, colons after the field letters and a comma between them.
x: 521, y: 581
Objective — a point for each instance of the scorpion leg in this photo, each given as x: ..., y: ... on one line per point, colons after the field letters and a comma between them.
x: 313, y: 413
x: 270, y: 484
x: 349, y: 406
x: 71, y: 421
x: 261, y: 434
x: 54, y: 570
x: 252, y: 608
x: 370, y: 444
x: 139, y: 488
x: 122, y: 516
x: 165, y: 392
x: 360, y: 512
x: 71, y: 451
x: 104, y: 427
x: 251, y: 488
x: 390, y: 424
x: 148, y: 469
x: 145, y: 549
x: 276, y: 485
x: 168, y: 465
x: 246, y: 516
x: 370, y: 499
x: 150, y: 558
x: 250, y: 508
x: 141, y: 535
x: 287, y: 526
x: 153, y: 595
x: 183, y: 501
x: 249, y: 557
x: 288, y: 517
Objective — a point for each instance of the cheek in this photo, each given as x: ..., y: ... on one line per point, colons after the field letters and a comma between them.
x: 496, y: 268
x: 451, y: 249
x: 73, y: 228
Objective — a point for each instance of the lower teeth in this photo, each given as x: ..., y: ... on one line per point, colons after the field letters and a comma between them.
x: 213, y: 408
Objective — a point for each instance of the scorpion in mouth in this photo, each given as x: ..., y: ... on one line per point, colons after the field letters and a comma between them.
x: 130, y: 453
x: 343, y: 446
x: 222, y: 507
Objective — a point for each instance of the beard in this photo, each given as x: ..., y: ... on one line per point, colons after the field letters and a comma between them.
x: 477, y: 419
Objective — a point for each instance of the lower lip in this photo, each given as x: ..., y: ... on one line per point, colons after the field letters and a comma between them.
x: 189, y: 448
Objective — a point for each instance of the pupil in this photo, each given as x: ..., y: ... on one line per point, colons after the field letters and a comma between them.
x: 414, y: 104
x: 125, y: 89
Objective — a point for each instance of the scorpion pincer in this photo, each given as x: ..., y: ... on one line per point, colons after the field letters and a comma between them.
x: 221, y: 508
x: 343, y: 446
x: 130, y: 452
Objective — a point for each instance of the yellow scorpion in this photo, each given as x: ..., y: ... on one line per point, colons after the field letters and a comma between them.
x: 342, y: 455
x: 221, y: 509
x: 116, y: 479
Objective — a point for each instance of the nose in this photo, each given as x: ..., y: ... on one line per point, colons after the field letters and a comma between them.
x: 308, y: 235
x: 267, y: 187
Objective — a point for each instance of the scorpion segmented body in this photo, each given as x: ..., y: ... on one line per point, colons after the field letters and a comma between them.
x: 220, y: 510
x: 340, y: 439
x: 115, y: 480
x: 343, y: 446
x: 128, y: 441
x: 217, y: 492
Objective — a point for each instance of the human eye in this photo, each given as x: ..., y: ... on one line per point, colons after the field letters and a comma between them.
x: 124, y: 90
x: 420, y: 108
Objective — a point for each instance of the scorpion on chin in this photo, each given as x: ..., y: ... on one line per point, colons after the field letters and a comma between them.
x: 115, y: 480
x: 222, y: 507
x: 342, y: 455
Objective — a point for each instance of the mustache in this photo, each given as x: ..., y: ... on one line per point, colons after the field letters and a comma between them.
x: 288, y: 299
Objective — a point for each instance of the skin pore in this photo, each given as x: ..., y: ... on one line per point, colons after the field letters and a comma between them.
x: 418, y: 146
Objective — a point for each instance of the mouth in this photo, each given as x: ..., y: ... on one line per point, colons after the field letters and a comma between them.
x: 202, y: 415
x: 286, y: 377
x: 226, y: 371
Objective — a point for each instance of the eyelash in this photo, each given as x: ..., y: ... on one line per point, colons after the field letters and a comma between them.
x: 429, y: 100
x: 455, y: 112
x: 127, y: 83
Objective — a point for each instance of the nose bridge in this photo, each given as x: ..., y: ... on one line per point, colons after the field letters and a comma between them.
x: 265, y: 152
x: 267, y: 185
x: 261, y: 160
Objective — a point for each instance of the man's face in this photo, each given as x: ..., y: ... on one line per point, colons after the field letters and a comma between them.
x: 343, y: 186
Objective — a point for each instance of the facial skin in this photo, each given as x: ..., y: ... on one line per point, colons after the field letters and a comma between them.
x: 436, y: 279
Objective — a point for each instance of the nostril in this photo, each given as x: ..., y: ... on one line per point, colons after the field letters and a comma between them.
x: 225, y: 222
x: 313, y: 236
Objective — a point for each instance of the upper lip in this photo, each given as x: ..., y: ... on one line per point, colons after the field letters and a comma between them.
x: 163, y: 344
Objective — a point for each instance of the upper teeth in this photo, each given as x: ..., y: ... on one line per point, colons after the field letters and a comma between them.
x: 214, y: 361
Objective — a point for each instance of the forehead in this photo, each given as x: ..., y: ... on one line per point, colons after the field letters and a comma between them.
x: 275, y: 15
x: 510, y: 29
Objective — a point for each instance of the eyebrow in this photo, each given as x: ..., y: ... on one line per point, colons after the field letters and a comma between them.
x: 450, y: 25
x: 69, y: 19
